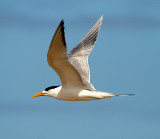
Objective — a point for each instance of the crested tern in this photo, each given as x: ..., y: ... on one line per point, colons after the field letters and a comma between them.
x: 73, y: 68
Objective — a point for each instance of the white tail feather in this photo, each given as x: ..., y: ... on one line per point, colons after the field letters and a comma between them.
x: 124, y: 94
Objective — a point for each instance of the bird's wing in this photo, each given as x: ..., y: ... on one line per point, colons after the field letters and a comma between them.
x: 78, y: 57
x: 58, y: 60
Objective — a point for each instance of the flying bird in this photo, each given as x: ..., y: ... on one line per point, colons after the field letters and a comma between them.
x: 73, y: 68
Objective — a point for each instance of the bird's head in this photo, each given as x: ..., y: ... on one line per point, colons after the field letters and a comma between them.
x: 49, y: 91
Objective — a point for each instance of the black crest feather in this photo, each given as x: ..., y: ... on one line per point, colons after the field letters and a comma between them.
x: 51, y: 87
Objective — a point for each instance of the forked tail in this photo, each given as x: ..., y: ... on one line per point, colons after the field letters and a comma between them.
x: 103, y: 95
x: 124, y: 94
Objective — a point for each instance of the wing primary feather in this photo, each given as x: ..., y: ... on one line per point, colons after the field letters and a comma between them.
x: 62, y: 31
x: 57, y: 38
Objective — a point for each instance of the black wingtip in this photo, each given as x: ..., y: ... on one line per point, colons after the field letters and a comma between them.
x: 62, y: 22
x: 62, y: 30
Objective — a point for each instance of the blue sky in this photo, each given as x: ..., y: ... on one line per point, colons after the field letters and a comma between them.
x: 125, y: 60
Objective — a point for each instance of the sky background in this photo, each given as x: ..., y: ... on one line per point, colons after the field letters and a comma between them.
x: 126, y: 59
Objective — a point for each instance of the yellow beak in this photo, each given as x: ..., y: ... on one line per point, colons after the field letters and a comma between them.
x: 39, y: 94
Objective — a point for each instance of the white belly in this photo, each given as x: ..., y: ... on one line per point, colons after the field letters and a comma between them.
x: 81, y: 95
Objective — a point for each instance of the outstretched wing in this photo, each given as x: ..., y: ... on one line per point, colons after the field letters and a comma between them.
x: 78, y: 57
x: 58, y: 60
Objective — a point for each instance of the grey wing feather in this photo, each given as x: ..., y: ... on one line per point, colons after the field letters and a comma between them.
x: 78, y: 57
